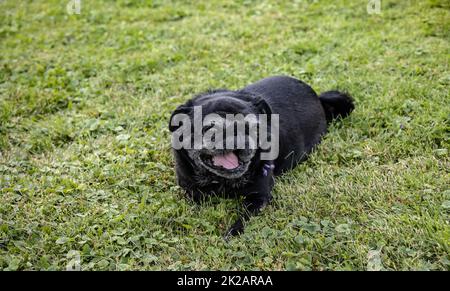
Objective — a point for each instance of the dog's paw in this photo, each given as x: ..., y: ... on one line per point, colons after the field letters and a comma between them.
x: 236, y: 229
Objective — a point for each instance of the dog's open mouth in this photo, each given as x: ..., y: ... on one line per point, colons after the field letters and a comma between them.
x: 229, y: 161
x: 225, y: 164
x: 222, y: 161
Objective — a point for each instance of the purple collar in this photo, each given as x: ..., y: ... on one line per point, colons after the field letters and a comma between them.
x: 267, y: 168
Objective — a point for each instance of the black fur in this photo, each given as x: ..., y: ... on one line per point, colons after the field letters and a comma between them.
x: 303, y: 121
x: 336, y: 104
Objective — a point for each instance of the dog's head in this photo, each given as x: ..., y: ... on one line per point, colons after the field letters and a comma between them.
x: 220, y: 131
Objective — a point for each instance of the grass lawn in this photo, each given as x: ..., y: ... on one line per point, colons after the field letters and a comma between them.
x: 85, y: 162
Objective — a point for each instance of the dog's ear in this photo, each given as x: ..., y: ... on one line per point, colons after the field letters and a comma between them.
x: 263, y: 108
x: 182, y: 109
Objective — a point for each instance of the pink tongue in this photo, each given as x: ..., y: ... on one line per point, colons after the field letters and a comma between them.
x: 228, y: 161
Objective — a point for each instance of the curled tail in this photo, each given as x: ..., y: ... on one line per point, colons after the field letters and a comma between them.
x: 336, y: 104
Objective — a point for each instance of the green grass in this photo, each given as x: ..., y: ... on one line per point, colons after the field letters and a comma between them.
x: 85, y: 161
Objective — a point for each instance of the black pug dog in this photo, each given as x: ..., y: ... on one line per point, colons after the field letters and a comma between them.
x: 303, y: 118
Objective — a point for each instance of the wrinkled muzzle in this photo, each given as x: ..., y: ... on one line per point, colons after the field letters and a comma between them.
x: 228, y: 157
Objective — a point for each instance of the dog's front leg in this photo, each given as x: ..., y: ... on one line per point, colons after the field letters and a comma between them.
x: 258, y: 197
x: 252, y: 206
